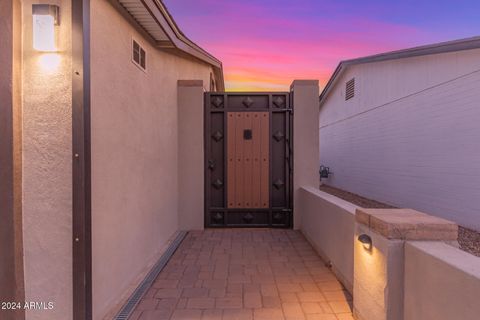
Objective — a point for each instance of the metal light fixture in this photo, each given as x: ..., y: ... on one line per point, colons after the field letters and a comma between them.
x: 324, y: 172
x: 366, y: 241
x: 45, y: 18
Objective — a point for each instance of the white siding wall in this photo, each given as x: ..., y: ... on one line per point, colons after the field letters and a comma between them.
x: 410, y: 136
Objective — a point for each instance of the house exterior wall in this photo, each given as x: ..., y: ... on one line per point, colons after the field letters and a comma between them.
x: 47, y: 168
x: 134, y: 136
x: 409, y: 137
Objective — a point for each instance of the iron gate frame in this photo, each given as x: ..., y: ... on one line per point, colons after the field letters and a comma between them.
x: 289, y: 172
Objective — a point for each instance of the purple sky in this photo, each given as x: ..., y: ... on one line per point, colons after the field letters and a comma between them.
x: 264, y: 45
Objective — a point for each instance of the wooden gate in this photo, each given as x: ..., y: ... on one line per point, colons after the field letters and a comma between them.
x: 248, y: 159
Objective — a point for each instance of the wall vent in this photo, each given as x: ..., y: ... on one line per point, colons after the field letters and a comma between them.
x: 350, y: 89
x: 139, y: 56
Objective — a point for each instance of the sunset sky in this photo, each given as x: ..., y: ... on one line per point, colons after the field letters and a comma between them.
x: 266, y: 44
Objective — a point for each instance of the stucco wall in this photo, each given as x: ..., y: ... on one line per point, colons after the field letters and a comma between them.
x: 441, y: 282
x: 47, y: 173
x: 409, y: 137
x: 378, y: 277
x: 305, y: 141
x: 190, y: 155
x: 328, y: 223
x: 134, y: 153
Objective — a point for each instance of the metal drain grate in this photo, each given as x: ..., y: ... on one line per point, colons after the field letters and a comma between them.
x: 134, y: 299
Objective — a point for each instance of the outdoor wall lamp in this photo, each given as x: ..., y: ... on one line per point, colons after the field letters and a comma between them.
x: 366, y: 240
x: 324, y: 172
x: 45, y: 18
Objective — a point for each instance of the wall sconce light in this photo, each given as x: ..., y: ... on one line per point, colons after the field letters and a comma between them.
x: 366, y: 241
x: 45, y: 18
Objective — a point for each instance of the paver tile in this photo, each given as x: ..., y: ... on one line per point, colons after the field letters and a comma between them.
x: 337, y: 295
x: 312, y: 307
x: 227, y: 303
x: 288, y: 297
x: 321, y: 317
x: 311, y: 296
x: 238, y: 314
x: 340, y: 306
x: 292, y: 310
x: 271, y: 302
x: 212, y: 314
x: 168, y: 293
x: 268, y: 314
x: 252, y: 300
x: 155, y: 315
x: 269, y: 290
x: 289, y: 287
x: 147, y: 304
x: 195, y: 293
x: 200, y: 303
x: 187, y: 314
x: 165, y: 284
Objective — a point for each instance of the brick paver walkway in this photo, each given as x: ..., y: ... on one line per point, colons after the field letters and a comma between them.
x: 236, y: 274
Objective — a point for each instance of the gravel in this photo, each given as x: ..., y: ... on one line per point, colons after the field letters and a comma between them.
x: 354, y: 198
x: 468, y: 239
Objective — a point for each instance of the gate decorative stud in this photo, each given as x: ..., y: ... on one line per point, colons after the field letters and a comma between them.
x: 278, y: 136
x: 217, y: 184
x: 278, y: 184
x: 279, y: 102
x: 247, y: 102
x: 217, y: 136
x: 217, y: 102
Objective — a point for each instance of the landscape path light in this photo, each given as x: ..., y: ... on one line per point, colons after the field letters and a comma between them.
x: 366, y: 241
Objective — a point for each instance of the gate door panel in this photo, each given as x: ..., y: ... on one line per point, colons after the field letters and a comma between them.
x: 248, y: 174
x: 248, y: 160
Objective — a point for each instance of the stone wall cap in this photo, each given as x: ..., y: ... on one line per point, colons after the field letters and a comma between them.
x: 304, y: 83
x: 407, y: 224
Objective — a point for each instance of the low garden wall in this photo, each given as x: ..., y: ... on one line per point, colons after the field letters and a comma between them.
x: 441, y: 282
x: 328, y: 224
x: 438, y: 281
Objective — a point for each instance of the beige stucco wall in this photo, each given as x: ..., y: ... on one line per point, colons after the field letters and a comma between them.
x: 134, y: 153
x: 328, y: 224
x: 441, y: 282
x: 47, y: 173
x: 305, y: 141
x: 378, y: 277
x: 190, y: 155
